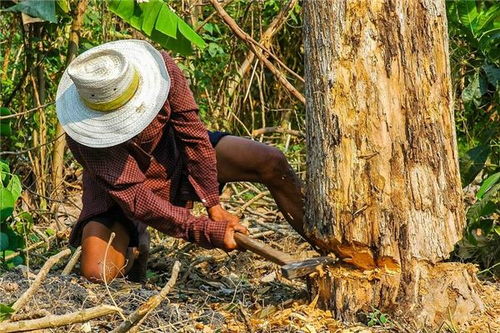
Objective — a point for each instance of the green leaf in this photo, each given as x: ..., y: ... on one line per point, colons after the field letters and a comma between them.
x: 492, y: 73
x: 4, y: 241
x: 487, y: 184
x: 472, y: 162
x: 4, y: 173
x: 474, y: 90
x: 483, y: 207
x: 63, y: 5
x: 486, y: 17
x: 159, y: 23
x: 191, y: 35
x: 14, y: 186
x: 486, y: 226
x: 125, y: 9
x: 6, y: 204
x: 167, y: 22
x: 5, y: 311
x: 383, y: 319
x: 5, y: 129
x: 16, y: 261
x: 151, y: 12
x: 467, y: 13
x: 137, y: 18
x: 45, y: 10
x: 16, y: 241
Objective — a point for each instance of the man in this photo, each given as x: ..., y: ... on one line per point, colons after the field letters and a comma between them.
x: 132, y: 123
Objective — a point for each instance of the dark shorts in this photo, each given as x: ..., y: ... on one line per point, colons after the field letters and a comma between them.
x: 115, y: 214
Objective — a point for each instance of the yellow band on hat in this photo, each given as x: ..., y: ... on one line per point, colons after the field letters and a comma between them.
x: 119, y: 101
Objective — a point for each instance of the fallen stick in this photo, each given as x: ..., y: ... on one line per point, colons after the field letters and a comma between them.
x: 38, y: 280
x: 72, y: 262
x: 262, y: 234
x: 136, y: 317
x: 58, y: 320
x: 251, y: 201
x: 270, y: 227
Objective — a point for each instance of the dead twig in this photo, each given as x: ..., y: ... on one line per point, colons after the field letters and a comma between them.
x: 270, y: 227
x: 269, y: 130
x: 72, y: 262
x: 14, y: 115
x: 262, y: 234
x: 258, y: 53
x: 252, y: 201
x: 140, y: 314
x: 38, y: 280
x: 58, y: 320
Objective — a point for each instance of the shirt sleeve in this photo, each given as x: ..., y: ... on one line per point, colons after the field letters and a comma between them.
x: 192, y: 136
x: 118, y: 172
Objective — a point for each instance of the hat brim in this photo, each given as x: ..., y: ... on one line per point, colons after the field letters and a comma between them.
x: 105, y: 129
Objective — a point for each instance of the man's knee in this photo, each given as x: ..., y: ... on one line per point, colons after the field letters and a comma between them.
x: 94, y: 272
x: 274, y: 167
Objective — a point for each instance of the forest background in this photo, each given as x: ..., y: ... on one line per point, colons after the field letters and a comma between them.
x: 235, y: 92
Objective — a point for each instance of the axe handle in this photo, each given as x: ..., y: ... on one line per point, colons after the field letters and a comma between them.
x: 263, y: 250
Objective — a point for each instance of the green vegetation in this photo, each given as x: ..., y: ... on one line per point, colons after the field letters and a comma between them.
x: 475, y: 57
x: 33, y: 58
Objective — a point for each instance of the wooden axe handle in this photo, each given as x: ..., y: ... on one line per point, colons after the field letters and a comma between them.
x: 263, y: 250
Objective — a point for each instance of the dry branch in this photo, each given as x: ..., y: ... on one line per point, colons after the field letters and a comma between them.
x: 265, y: 40
x: 38, y: 280
x: 251, y: 44
x: 72, y: 262
x: 268, y: 130
x: 58, y: 320
x: 140, y: 314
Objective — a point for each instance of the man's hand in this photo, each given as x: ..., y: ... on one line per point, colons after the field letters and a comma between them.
x: 217, y: 213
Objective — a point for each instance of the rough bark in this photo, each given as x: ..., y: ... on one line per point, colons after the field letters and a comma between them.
x: 384, y: 189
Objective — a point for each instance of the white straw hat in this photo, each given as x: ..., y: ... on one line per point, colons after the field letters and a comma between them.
x: 112, y: 92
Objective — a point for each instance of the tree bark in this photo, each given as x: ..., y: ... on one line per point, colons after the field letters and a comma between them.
x: 384, y: 189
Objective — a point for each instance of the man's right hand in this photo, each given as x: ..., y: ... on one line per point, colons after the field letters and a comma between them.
x: 232, y: 227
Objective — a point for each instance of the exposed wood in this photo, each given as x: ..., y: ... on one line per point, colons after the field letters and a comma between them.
x: 58, y: 320
x: 25, y: 297
x: 141, y: 313
x: 250, y: 42
x: 384, y: 189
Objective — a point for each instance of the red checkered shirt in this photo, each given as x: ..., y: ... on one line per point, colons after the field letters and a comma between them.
x: 145, y: 175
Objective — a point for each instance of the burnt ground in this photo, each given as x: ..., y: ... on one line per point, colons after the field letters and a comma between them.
x: 215, y: 291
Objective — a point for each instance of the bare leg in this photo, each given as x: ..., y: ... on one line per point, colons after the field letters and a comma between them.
x: 95, y: 237
x: 240, y: 159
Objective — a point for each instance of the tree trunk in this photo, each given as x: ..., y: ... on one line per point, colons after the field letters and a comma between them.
x: 384, y: 188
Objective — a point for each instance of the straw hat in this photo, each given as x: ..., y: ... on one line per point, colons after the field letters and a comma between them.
x: 112, y: 92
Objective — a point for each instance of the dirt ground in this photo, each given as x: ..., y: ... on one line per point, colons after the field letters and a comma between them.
x: 215, y: 291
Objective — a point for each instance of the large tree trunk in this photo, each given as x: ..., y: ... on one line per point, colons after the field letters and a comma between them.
x: 384, y: 187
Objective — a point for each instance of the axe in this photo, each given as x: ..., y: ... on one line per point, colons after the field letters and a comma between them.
x: 291, y: 268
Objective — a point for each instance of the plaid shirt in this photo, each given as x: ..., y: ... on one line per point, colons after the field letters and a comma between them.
x: 144, y: 176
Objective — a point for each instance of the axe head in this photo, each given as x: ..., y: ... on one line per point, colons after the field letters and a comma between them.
x: 305, y: 267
